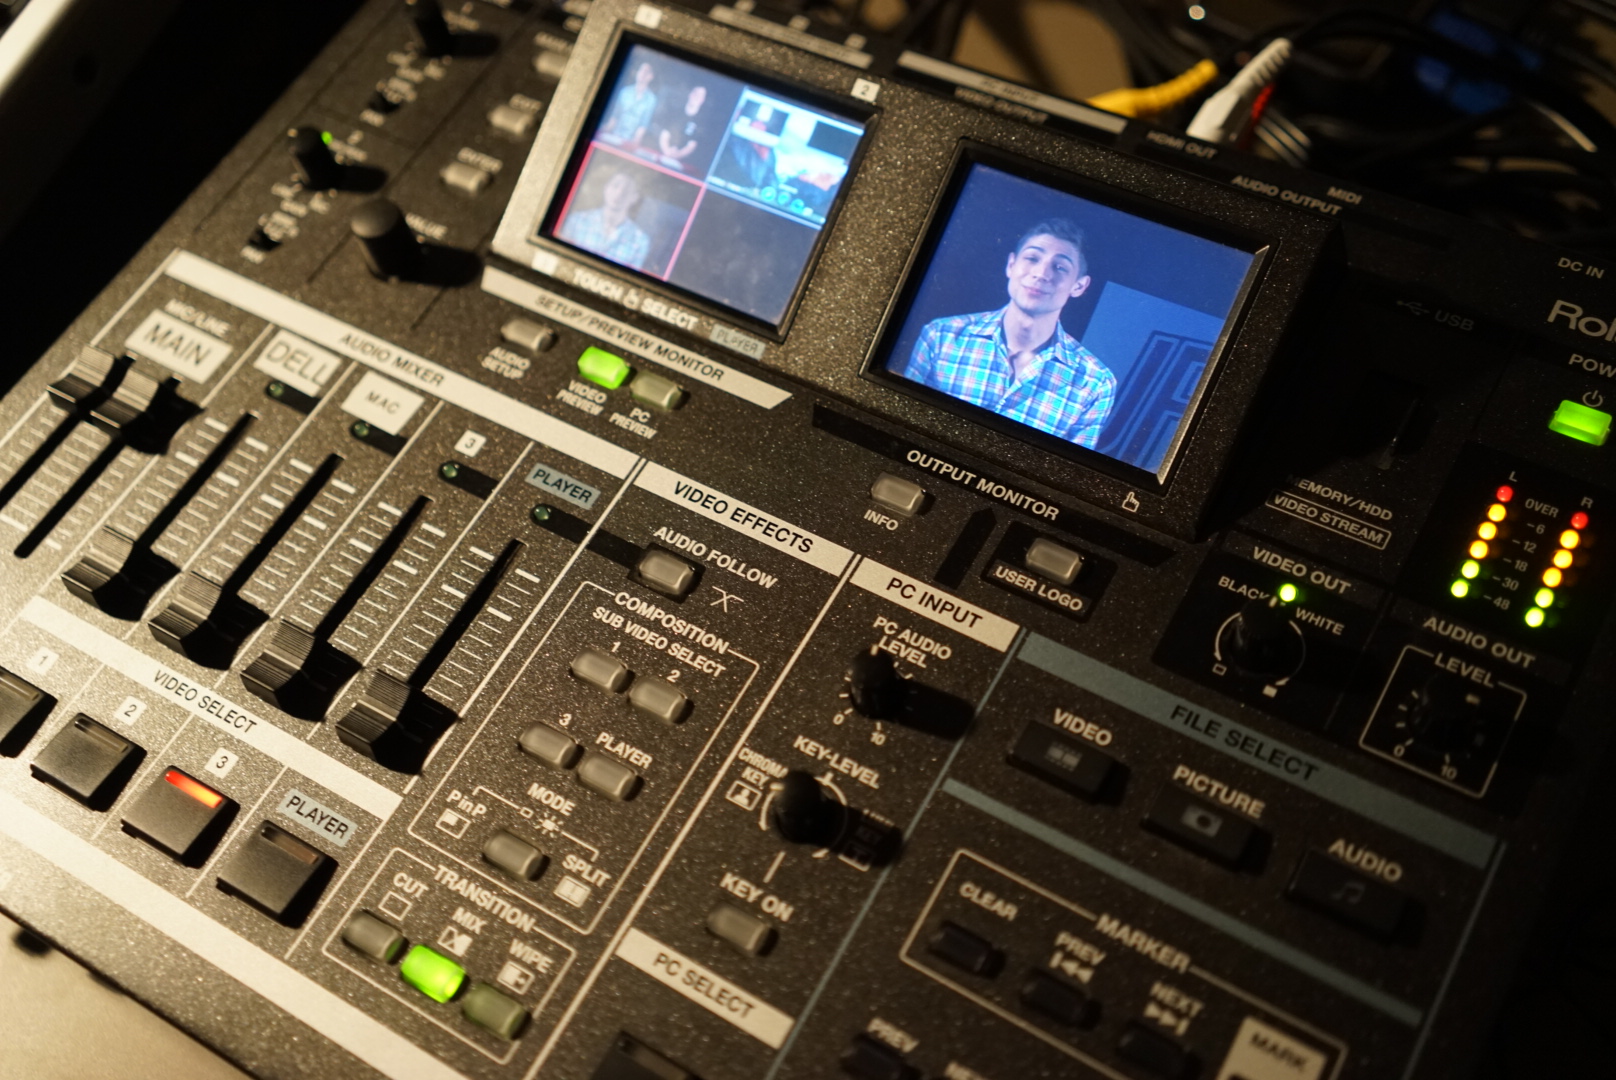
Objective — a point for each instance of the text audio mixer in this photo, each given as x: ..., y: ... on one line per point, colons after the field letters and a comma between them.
x: 633, y: 541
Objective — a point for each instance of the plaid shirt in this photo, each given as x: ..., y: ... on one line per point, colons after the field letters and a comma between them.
x: 626, y: 244
x: 1067, y: 391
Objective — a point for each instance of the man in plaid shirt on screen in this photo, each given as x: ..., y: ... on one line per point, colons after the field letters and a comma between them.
x: 1018, y: 361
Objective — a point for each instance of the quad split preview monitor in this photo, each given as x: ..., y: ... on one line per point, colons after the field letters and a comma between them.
x: 1076, y: 324
x: 706, y: 181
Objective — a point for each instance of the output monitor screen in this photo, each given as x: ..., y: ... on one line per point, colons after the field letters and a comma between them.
x: 1091, y: 325
x: 705, y: 181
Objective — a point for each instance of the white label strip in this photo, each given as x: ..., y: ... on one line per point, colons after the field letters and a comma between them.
x: 178, y: 346
x: 1032, y: 99
x: 292, y: 360
x: 382, y: 402
x: 161, y: 683
x: 706, y: 988
x: 630, y: 339
x: 731, y: 513
x: 406, y: 367
x: 940, y: 607
x: 333, y: 1016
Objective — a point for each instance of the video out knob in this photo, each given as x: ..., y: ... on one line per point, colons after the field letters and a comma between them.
x: 1261, y: 640
x: 434, y: 33
x: 389, y: 245
x: 874, y: 686
x: 803, y: 812
x: 317, y: 167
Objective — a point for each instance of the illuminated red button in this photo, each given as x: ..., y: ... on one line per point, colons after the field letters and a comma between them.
x: 179, y: 816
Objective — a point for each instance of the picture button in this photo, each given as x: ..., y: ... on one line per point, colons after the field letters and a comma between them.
x: 1062, y: 759
x: 666, y: 573
x: 601, y: 670
x: 609, y: 777
x: 1344, y: 893
x: 555, y: 748
x: 898, y: 495
x: 748, y: 933
x: 1218, y: 834
x: 1053, y: 561
x: 965, y: 950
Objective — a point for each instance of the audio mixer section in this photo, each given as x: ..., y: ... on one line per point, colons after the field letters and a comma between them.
x: 506, y: 584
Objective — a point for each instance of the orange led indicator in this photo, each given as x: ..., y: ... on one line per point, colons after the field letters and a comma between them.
x: 1552, y: 578
x: 1504, y: 494
x: 1497, y: 512
x: 200, y: 792
x: 1487, y: 530
x: 1562, y: 559
x: 1579, y: 520
x: 1570, y: 539
x: 1478, y: 550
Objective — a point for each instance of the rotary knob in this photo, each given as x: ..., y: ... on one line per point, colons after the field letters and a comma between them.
x: 387, y: 241
x: 317, y: 167
x: 1438, y: 718
x: 1262, y: 641
x: 874, y: 686
x: 802, y: 811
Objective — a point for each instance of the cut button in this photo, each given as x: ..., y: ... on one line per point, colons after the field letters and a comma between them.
x: 604, y: 368
x: 1577, y: 421
x: 373, y: 937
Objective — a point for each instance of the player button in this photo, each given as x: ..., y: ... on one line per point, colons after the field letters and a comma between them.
x: 1053, y: 561
x: 1362, y: 902
x: 666, y: 573
x: 277, y: 873
x: 898, y: 495
x: 609, y: 777
x: 1218, y: 834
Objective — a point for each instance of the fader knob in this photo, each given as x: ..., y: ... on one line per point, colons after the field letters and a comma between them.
x: 436, y: 37
x: 874, y: 685
x: 1261, y: 640
x: 390, y: 247
x: 803, y: 812
x: 317, y: 167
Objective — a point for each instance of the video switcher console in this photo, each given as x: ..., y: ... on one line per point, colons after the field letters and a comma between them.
x: 625, y: 541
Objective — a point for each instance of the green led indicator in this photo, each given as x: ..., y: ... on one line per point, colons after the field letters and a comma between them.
x: 277, y: 389
x: 1460, y: 588
x: 438, y: 977
x: 1577, y: 421
x: 1544, y: 598
x: 1534, y: 618
x: 541, y: 514
x: 604, y: 368
x: 1470, y: 568
x: 1288, y: 593
x: 449, y: 470
x: 325, y: 137
x: 360, y: 429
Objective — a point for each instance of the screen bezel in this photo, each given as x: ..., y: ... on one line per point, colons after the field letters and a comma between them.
x: 877, y: 362
x: 542, y: 233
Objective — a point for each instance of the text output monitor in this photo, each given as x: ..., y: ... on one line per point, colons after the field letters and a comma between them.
x: 1071, y: 323
x: 705, y: 181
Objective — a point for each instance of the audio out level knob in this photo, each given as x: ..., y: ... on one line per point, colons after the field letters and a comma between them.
x: 317, y: 167
x: 802, y: 811
x: 427, y: 17
x: 389, y: 245
x: 874, y: 686
x: 1261, y: 640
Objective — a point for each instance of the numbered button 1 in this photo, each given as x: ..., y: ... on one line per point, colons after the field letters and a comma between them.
x: 601, y: 669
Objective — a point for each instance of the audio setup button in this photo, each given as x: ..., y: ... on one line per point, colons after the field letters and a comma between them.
x: 600, y: 669
x: 1220, y: 835
x: 742, y: 929
x: 515, y: 856
x: 373, y: 937
x: 1063, y: 760
x: 898, y: 495
x: 488, y: 1008
x: 277, y: 873
x: 555, y: 748
x: 22, y: 708
x: 608, y: 777
x: 179, y: 816
x: 965, y: 950
x: 867, y: 1058
x: 1054, y: 561
x: 511, y: 120
x: 528, y: 334
x: 1348, y: 895
x: 1155, y: 1052
x: 463, y: 177
x: 666, y: 573
x: 87, y: 761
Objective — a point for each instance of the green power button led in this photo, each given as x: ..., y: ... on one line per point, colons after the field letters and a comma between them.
x: 604, y: 368
x: 1577, y: 421
x: 436, y: 976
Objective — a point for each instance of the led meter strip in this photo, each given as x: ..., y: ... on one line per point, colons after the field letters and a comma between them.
x: 350, y: 1027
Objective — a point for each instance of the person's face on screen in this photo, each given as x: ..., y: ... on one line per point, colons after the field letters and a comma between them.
x: 693, y: 103
x: 643, y: 76
x: 1044, y: 275
x: 620, y: 194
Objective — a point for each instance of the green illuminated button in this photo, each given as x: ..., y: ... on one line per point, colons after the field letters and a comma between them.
x: 607, y: 369
x: 1577, y: 421
x: 438, y: 977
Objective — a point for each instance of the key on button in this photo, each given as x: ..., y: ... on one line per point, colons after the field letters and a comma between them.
x: 742, y: 929
x: 665, y: 573
x: 1053, y: 561
x: 898, y: 495
x: 1362, y: 902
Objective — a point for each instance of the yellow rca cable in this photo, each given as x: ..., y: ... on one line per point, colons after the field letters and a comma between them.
x: 1150, y: 100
